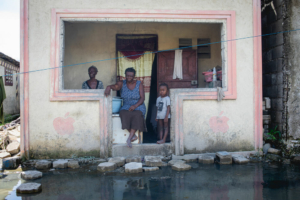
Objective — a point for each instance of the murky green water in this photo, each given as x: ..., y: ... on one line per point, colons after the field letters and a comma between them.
x: 215, y: 182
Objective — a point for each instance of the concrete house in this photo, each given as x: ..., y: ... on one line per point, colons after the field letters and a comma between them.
x: 60, y: 39
x: 9, y: 68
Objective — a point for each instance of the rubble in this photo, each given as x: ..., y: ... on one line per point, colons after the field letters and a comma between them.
x: 4, y: 155
x: 13, y: 148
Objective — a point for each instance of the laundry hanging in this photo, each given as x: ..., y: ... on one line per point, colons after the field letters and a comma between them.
x: 177, y: 73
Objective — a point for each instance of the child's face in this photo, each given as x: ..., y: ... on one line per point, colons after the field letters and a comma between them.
x: 163, y: 90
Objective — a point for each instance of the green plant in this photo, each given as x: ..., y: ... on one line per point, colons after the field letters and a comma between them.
x: 274, y: 135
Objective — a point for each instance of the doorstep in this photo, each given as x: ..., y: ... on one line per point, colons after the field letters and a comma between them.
x: 141, y: 150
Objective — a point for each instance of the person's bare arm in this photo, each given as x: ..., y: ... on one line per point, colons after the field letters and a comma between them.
x: 142, y: 99
x: 115, y: 87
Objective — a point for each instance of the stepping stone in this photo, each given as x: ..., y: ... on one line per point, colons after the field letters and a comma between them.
x: 134, y: 159
x: 181, y: 167
x: 150, y: 169
x: 98, y: 161
x: 106, y: 166
x: 274, y: 151
x: 4, y: 155
x: 31, y: 174
x: 190, y: 158
x: 206, y: 159
x: 133, y: 167
x: 13, y: 148
x: 60, y: 164
x: 240, y: 159
x: 43, y: 164
x: 173, y: 162
x: 224, y: 158
x: 153, y: 161
x: 120, y: 161
x: 29, y: 188
x: 73, y: 164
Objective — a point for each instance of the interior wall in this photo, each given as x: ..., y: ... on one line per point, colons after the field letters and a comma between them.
x: 88, y: 41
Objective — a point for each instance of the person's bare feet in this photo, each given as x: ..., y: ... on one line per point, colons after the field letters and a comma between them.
x: 129, y: 143
x: 160, y: 142
x: 134, y: 138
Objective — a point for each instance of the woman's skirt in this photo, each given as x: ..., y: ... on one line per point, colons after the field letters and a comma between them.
x: 133, y: 120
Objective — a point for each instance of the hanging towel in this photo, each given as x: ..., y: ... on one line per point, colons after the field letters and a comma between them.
x: 178, y: 65
x: 220, y: 93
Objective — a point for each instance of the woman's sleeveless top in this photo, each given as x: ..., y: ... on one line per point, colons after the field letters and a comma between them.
x: 131, y: 97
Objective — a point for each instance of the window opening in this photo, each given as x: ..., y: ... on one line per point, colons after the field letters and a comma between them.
x: 8, y: 77
x: 185, y: 42
x: 204, y: 50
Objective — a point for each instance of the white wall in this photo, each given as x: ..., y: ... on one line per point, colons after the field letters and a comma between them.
x: 11, y: 104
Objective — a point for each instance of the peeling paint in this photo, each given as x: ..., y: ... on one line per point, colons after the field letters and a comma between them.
x: 64, y: 125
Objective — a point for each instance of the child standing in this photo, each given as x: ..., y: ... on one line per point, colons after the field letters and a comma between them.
x: 163, y: 112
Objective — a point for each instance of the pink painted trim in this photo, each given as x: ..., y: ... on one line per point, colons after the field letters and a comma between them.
x: 24, y: 79
x: 258, y: 113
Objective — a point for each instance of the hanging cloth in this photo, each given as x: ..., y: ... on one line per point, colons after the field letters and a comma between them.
x: 2, y: 97
x: 177, y: 73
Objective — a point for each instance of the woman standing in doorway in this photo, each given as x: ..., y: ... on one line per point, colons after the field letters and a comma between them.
x: 93, y: 83
x: 133, y: 111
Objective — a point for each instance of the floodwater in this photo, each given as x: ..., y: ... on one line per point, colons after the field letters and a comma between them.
x: 215, y: 182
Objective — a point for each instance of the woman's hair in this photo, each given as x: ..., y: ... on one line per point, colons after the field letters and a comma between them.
x: 130, y: 69
x: 164, y: 84
x: 92, y: 67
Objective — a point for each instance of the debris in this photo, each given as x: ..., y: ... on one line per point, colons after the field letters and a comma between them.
x: 224, y: 158
x: 206, y: 159
x: 106, y: 166
x: 13, y: 148
x: 11, y: 162
x: 133, y: 167
x: 150, y: 169
x: 153, y: 161
x: 29, y: 188
x: 43, y: 164
x: 274, y: 157
x: 31, y: 174
x: 181, y: 167
x: 120, y: 161
x: 4, y: 155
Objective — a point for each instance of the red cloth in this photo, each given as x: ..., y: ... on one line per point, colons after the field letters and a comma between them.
x: 132, y: 54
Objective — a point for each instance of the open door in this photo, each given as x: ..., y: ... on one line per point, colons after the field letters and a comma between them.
x: 189, y: 69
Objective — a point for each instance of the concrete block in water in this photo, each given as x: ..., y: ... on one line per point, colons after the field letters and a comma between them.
x: 29, y: 188
x: 206, y: 159
x: 60, y: 164
x: 43, y: 164
x: 240, y: 159
x: 173, y: 162
x: 31, y: 174
x: 133, y: 167
x: 106, y: 166
x: 73, y: 164
x: 224, y: 158
x: 190, y: 158
x: 133, y: 159
x: 120, y: 161
x: 153, y: 161
x: 181, y: 167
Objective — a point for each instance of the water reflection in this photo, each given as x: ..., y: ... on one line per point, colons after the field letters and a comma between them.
x: 251, y: 181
